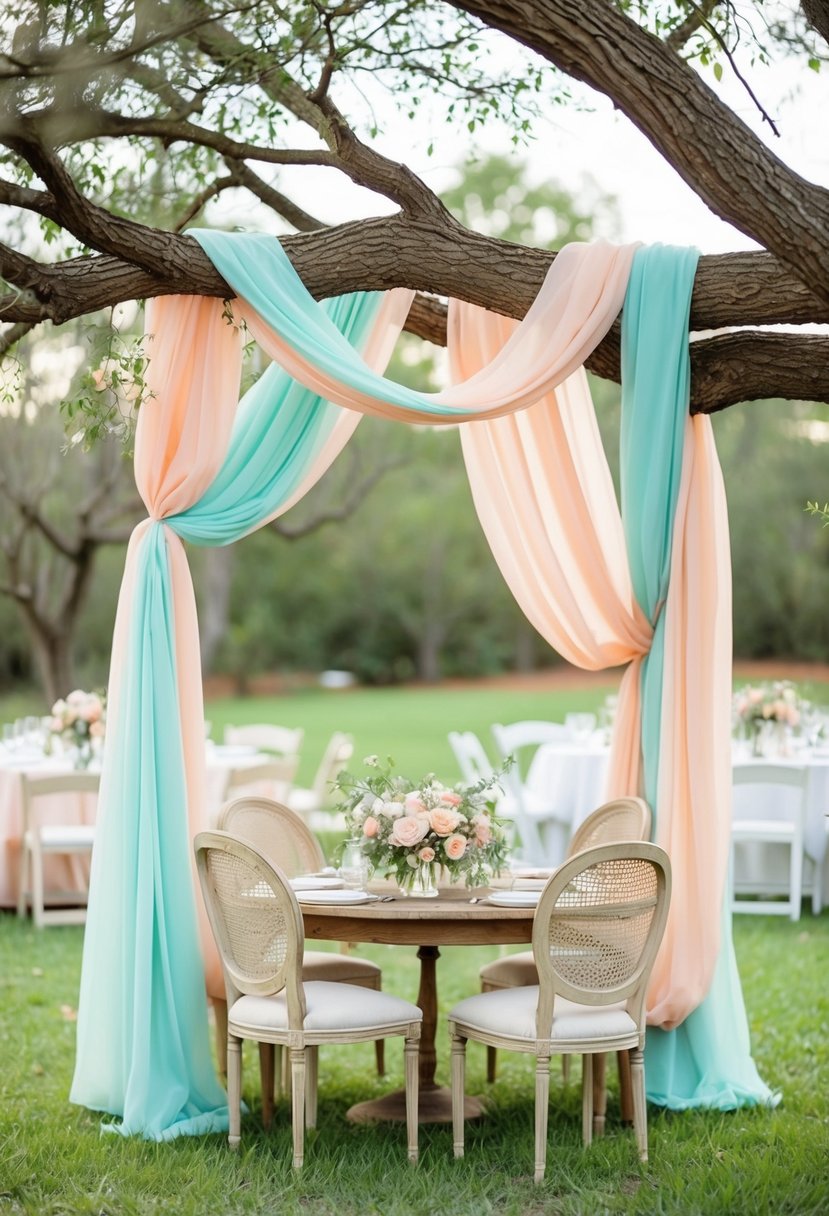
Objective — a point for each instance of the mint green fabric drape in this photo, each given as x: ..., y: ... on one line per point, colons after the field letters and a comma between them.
x: 143, y: 1050
x: 706, y: 1061
x: 278, y: 431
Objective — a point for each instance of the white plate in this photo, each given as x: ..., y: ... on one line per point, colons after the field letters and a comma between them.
x: 315, y: 882
x: 328, y: 896
x: 514, y: 899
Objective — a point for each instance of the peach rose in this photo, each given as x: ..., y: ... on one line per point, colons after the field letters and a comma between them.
x: 483, y: 834
x: 450, y: 798
x: 443, y: 821
x: 370, y: 826
x: 408, y: 830
x: 455, y: 847
x: 414, y: 804
x: 427, y: 853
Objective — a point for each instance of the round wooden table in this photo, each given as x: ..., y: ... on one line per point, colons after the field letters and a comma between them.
x: 398, y: 920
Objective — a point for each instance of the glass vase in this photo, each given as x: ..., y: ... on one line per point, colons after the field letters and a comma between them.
x: 421, y: 885
x: 82, y: 757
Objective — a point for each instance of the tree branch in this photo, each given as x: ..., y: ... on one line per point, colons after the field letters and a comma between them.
x: 697, y: 17
x: 13, y: 334
x: 816, y: 13
x: 278, y: 202
x: 719, y: 157
x: 745, y: 289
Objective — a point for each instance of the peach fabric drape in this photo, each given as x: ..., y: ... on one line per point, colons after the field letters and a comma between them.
x: 545, y: 499
x: 579, y: 299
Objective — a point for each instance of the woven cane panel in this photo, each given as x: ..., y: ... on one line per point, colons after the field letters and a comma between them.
x: 600, y: 924
x: 255, y: 924
x: 620, y: 823
x: 271, y: 833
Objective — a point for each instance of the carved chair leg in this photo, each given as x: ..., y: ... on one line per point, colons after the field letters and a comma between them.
x: 266, y: 1075
x: 542, y: 1103
x: 625, y: 1088
x: 220, y: 1026
x: 599, y: 1094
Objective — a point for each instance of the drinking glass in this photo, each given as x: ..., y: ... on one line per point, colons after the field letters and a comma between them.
x: 581, y: 726
x: 354, y: 869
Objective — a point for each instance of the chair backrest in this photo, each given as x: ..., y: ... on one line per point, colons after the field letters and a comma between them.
x: 278, y: 774
x: 63, y: 783
x: 791, y: 781
x: 338, y: 752
x: 511, y: 739
x: 470, y: 755
x: 287, y: 740
x: 619, y: 819
x: 255, y: 920
x: 598, y: 926
x: 275, y: 831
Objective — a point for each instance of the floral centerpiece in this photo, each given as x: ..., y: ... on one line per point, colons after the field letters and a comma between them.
x: 415, y: 830
x: 78, y: 722
x: 777, y: 704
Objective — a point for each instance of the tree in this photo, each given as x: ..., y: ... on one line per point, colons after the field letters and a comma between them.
x: 227, y: 93
x: 56, y: 513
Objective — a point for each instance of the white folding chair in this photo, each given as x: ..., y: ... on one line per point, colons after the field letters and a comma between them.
x: 283, y: 740
x: 41, y: 839
x: 310, y: 802
x: 755, y: 838
x: 271, y: 778
x: 471, y: 756
x: 531, y: 810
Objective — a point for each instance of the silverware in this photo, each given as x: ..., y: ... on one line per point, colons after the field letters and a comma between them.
x: 386, y: 899
x: 476, y: 899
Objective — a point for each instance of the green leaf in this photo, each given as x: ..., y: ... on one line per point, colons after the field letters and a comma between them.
x: 718, y: 71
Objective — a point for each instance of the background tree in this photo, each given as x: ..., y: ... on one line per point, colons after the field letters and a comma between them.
x: 228, y: 94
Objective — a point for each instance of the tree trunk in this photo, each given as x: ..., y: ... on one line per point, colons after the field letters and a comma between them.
x: 53, y: 657
x: 214, y: 610
x: 429, y: 645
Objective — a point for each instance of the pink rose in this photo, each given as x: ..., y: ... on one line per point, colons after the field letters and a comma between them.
x: 443, y: 821
x: 408, y: 830
x: 427, y: 853
x: 455, y: 847
x: 370, y: 826
x: 450, y: 798
x: 414, y: 804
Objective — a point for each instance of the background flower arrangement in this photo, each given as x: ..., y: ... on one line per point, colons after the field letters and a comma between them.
x: 78, y: 722
x: 406, y: 826
x: 777, y: 702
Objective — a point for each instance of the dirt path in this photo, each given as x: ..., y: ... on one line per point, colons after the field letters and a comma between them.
x: 561, y: 678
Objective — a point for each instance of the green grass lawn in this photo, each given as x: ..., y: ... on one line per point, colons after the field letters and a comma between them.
x: 410, y: 725
x: 54, y: 1158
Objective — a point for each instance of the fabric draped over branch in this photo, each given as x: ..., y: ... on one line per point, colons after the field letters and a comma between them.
x: 210, y: 473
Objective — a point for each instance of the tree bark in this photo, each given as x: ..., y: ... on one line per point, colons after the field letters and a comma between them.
x: 720, y: 158
x: 730, y: 290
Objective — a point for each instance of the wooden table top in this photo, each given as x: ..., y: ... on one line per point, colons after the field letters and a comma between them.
x: 449, y: 920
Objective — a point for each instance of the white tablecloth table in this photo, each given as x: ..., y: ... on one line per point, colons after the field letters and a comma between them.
x: 572, y: 778
x: 63, y: 873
